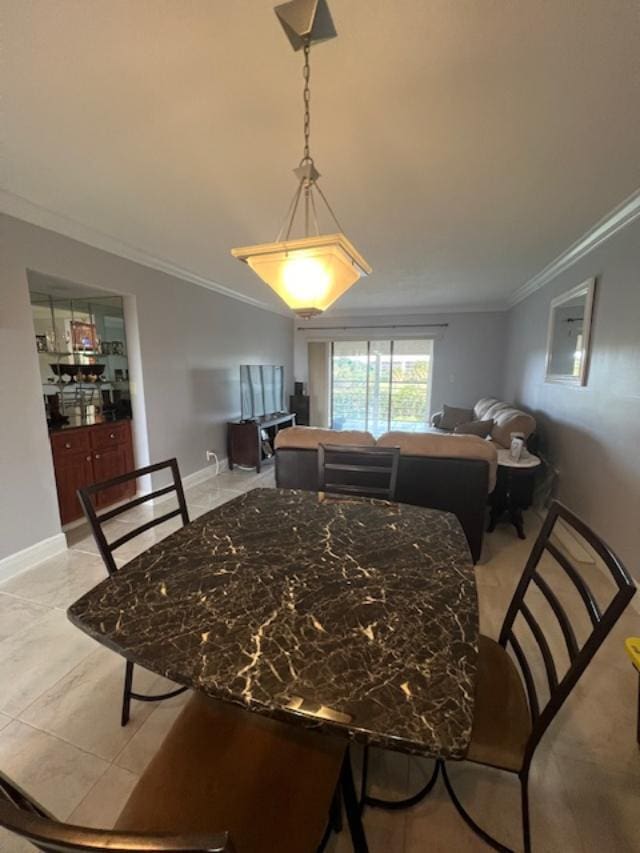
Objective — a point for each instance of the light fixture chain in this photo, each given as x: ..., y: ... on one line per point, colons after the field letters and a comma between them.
x: 306, y: 96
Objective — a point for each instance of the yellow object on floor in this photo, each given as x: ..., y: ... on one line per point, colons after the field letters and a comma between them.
x: 632, y: 645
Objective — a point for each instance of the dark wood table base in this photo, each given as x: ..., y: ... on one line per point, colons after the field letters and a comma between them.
x: 513, y: 493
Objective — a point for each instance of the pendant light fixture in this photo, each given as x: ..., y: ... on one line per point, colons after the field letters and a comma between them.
x: 309, y: 273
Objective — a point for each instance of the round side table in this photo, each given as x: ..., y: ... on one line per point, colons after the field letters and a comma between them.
x: 514, y: 489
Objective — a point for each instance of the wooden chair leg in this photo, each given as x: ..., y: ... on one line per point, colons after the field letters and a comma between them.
x: 335, y: 814
x: 352, y: 807
x: 526, y: 824
x: 365, y: 774
x: 126, y: 695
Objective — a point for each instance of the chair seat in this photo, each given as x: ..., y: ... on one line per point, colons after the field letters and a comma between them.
x: 501, y: 718
x: 223, y: 769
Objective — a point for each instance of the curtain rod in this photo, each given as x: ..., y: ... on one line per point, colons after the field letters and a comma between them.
x: 385, y: 326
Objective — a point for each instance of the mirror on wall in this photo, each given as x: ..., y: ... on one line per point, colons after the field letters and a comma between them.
x: 81, y: 343
x: 569, y: 335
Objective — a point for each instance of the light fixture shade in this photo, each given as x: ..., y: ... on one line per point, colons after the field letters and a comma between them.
x: 308, y: 20
x: 309, y: 274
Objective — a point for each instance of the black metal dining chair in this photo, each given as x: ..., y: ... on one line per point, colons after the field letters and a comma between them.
x: 514, y: 702
x: 356, y: 470
x: 87, y: 497
x: 270, y: 785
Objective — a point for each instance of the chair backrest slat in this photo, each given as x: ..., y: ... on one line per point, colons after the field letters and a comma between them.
x: 96, y: 522
x: 560, y: 613
x: 118, y: 510
x: 375, y: 470
x: 117, y: 543
x: 580, y: 584
x: 372, y: 491
x: 534, y: 704
x: 601, y: 620
x: 367, y: 469
x: 543, y: 645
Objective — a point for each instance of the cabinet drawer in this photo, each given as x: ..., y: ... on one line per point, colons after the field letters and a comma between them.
x: 109, y: 435
x: 67, y: 442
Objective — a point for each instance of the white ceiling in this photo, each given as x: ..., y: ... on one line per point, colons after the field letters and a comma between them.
x: 464, y: 143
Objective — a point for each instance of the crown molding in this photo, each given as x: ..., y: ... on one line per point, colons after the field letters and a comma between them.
x: 22, y: 208
x: 614, y: 221
x: 413, y: 311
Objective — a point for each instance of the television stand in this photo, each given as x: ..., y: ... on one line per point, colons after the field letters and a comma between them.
x: 244, y: 438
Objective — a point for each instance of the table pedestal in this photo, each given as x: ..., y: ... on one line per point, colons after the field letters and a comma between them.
x: 512, y: 494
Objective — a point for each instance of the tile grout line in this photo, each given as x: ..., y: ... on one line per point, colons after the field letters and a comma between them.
x: 59, y: 737
x: 28, y: 601
x: 60, y: 740
x: 95, y: 784
x: 110, y: 766
x: 50, y: 687
x: 119, y: 753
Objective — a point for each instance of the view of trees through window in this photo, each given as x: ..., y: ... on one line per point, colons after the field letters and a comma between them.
x: 381, y: 385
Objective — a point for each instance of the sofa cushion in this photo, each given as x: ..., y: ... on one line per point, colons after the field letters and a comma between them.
x: 480, y: 428
x: 510, y: 420
x: 444, y: 446
x: 452, y: 416
x: 497, y: 407
x: 482, y: 407
x: 506, y: 419
x: 308, y: 438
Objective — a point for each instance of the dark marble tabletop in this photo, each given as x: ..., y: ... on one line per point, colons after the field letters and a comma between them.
x: 357, y: 616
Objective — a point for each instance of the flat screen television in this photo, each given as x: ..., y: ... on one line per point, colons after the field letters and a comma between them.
x: 261, y: 390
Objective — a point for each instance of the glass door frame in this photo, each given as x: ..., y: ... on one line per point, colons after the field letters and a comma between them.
x: 392, y: 341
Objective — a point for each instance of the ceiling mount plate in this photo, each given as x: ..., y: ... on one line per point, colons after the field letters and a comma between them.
x: 306, y: 20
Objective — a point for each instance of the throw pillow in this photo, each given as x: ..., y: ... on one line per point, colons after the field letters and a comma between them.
x: 479, y: 428
x: 451, y: 417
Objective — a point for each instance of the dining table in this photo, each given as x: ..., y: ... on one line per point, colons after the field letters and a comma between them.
x: 355, y: 616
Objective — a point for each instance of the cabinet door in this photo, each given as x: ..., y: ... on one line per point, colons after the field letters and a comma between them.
x: 109, y: 463
x: 73, y: 471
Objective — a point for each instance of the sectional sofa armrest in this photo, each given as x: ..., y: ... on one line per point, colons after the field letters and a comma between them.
x: 435, y: 420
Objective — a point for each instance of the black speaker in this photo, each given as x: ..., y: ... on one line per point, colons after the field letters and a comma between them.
x: 299, y: 406
x: 298, y: 389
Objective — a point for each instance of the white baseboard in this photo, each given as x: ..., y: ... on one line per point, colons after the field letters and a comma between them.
x: 188, y: 482
x: 204, y: 474
x: 194, y: 479
x: 73, y: 525
x: 16, y: 563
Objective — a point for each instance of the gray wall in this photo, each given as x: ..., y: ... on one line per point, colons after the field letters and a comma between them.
x: 468, y: 355
x: 591, y: 434
x: 192, y: 341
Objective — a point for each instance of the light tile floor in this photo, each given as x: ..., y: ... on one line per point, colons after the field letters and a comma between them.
x: 60, y: 736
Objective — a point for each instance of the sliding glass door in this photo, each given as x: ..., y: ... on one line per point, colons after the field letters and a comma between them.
x: 381, y: 385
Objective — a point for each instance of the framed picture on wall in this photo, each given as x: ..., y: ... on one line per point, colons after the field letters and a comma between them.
x: 41, y: 343
x: 83, y: 335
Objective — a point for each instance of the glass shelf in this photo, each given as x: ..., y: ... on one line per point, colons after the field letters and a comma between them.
x: 87, y: 353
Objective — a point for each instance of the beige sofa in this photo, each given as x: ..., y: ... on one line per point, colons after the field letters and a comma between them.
x: 506, y: 419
